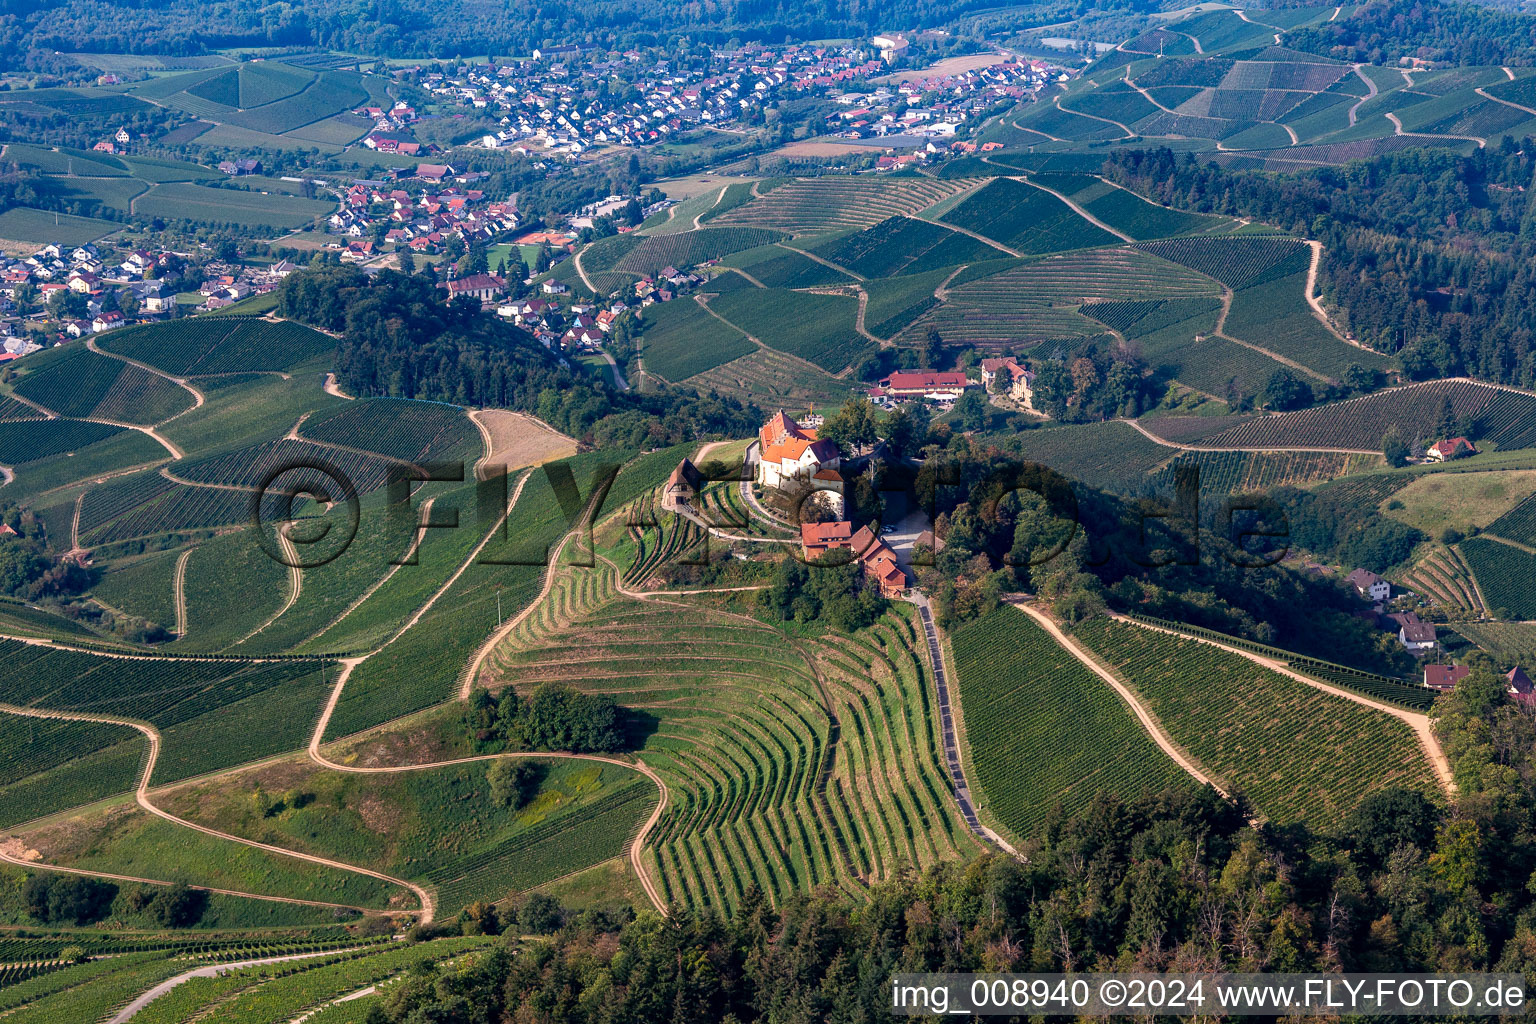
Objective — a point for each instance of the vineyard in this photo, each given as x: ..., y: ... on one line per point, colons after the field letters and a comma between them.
x: 816, y: 328
x: 902, y: 245
x: 47, y: 764
x: 79, y: 383
x: 1008, y: 305
x: 1513, y: 643
x: 1509, y: 419
x: 1046, y: 735
x: 33, y: 440
x: 1228, y: 473
x: 398, y: 428
x: 771, y: 378
x: 776, y: 266
x: 1237, y: 263
x: 685, y: 249
x: 813, y: 206
x: 297, y: 464
x: 1506, y: 576
x: 1443, y: 577
x: 1125, y: 211
x: 1518, y: 524
x: 777, y: 779
x: 681, y: 339
x: 213, y: 345
x: 1299, y: 754
x: 1025, y: 218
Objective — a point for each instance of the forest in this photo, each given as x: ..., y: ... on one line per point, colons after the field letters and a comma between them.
x: 1388, y: 30
x: 1173, y: 881
x: 1429, y: 254
x: 471, y: 359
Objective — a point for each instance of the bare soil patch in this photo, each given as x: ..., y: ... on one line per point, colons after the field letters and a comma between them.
x: 519, y: 440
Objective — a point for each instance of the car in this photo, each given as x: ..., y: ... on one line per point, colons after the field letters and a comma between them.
x: 887, y: 529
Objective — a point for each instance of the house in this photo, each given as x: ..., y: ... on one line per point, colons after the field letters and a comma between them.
x: 1454, y: 448
x: 1415, y: 636
x: 1520, y: 685
x: 239, y: 167
x: 476, y: 286
x: 788, y: 452
x: 434, y: 172
x: 1369, y: 586
x: 553, y: 287
x: 1020, y: 383
x: 107, y: 321
x: 818, y: 538
x: 1444, y: 677
x: 875, y: 557
x: 681, y: 488
x: 932, y: 385
x: 828, y: 485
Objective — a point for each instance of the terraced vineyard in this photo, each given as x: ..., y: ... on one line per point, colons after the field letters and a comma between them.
x: 1299, y: 754
x: 1444, y: 578
x: 1046, y: 734
x: 813, y: 206
x: 790, y: 763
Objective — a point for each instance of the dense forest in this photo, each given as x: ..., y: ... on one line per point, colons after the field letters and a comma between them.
x: 399, y: 338
x: 29, y: 34
x: 1386, y: 31
x: 1429, y: 254
x: 1175, y: 881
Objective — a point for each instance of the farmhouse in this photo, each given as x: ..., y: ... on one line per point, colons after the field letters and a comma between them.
x: 1369, y: 586
x: 1444, y: 677
x: 681, y: 488
x: 1453, y: 448
x: 1020, y: 383
x: 877, y: 559
x: 1520, y: 685
x: 789, y: 452
x: 240, y: 167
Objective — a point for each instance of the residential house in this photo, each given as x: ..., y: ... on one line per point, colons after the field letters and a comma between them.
x: 1415, y: 635
x: 1369, y: 586
x: 878, y: 561
x: 1019, y: 382
x: 1443, y: 678
x: 1453, y: 448
x: 237, y: 168
x: 1520, y: 685
x: 817, y: 539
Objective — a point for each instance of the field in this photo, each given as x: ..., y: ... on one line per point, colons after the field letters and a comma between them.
x: 1028, y: 219
x: 39, y: 227
x: 615, y: 262
x: 519, y: 440
x: 1513, y: 643
x: 813, y: 206
x: 1495, y: 501
x: 777, y: 266
x: 229, y: 206
x: 1046, y: 734
x: 214, y: 345
x: 398, y: 428
x: 816, y: 328
x: 440, y: 826
x: 1297, y: 753
x: 682, y: 339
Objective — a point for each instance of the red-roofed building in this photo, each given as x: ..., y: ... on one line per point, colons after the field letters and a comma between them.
x: 1444, y: 677
x: 476, y: 286
x: 877, y: 559
x: 788, y: 452
x: 819, y: 538
x: 1452, y: 448
x: 931, y: 384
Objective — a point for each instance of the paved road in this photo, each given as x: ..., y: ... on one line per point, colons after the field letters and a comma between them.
x: 957, y: 780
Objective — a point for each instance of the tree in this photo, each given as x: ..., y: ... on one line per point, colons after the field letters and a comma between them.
x: 540, y: 914
x: 853, y: 427
x: 72, y: 899
x: 559, y: 718
x: 972, y: 408
x: 177, y: 906
x: 1445, y: 422
x: 513, y: 783
x: 932, y: 355
x: 906, y: 430
x: 1285, y: 390
x: 1394, y: 447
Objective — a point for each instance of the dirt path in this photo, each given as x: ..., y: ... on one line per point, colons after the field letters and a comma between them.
x: 718, y: 196
x: 1149, y: 97
x: 141, y: 797
x: 1149, y: 722
x: 1137, y: 425
x: 47, y: 412
x: 858, y: 321
x: 618, y: 374
x: 426, y: 512
x: 824, y: 262
x: 179, y: 591
x: 332, y: 388
x: 1419, y: 723
x: 1090, y: 218
x: 295, y: 582
x: 581, y: 272
x: 980, y: 238
x: 128, y: 1012
x: 198, y: 398
x: 1397, y: 128
x: 942, y: 291
x: 1507, y: 103
x: 1369, y: 84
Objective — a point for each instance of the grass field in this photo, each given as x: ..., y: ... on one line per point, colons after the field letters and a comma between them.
x: 1297, y: 753
x: 1466, y: 500
x: 1045, y: 734
x: 39, y: 227
x: 229, y: 206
